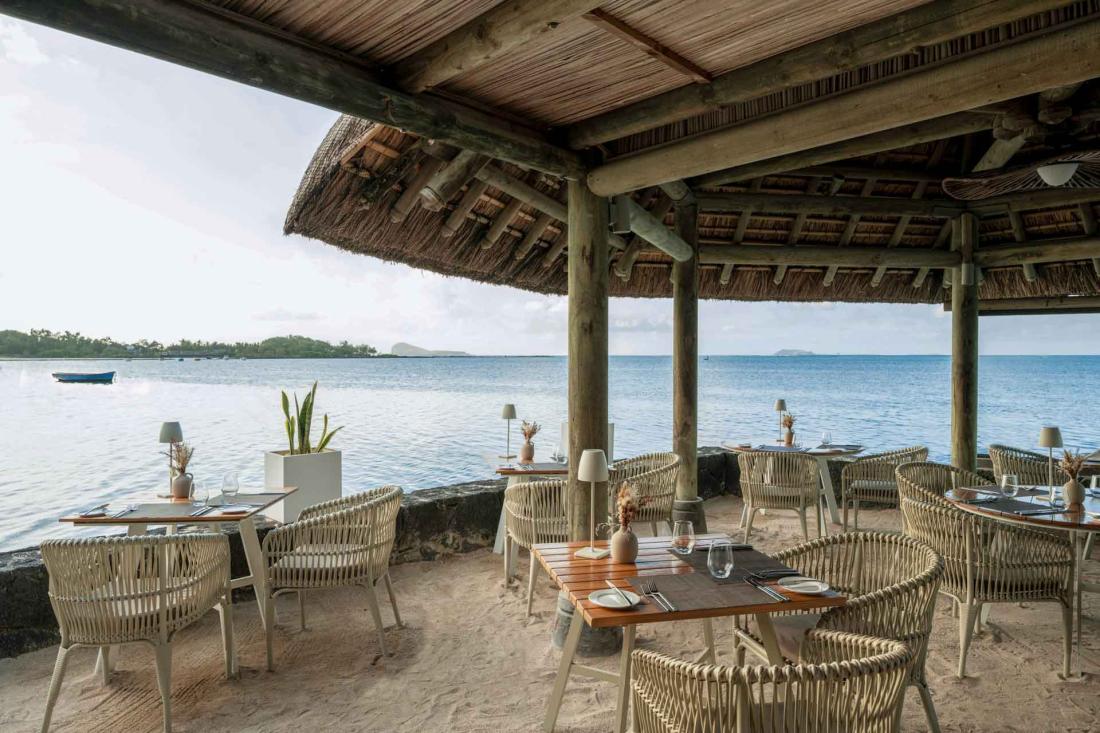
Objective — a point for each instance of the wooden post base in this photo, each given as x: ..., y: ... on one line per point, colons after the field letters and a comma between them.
x: 691, y: 510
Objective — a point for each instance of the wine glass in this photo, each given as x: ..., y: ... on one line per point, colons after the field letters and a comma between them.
x: 720, y: 559
x: 826, y: 439
x: 230, y: 485
x: 683, y: 537
x: 200, y: 493
x: 1010, y: 484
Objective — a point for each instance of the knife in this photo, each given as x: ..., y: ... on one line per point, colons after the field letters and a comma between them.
x: 760, y: 586
x: 1038, y: 512
x: 621, y: 594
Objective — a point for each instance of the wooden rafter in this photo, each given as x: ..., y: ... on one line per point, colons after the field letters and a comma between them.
x: 808, y: 204
x: 1036, y: 306
x: 649, y: 46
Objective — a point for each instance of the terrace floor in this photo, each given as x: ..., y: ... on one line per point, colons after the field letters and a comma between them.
x: 468, y: 661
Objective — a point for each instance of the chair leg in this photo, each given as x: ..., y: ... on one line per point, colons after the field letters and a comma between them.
x: 393, y: 599
x: 376, y: 613
x: 106, y: 663
x: 1088, y: 545
x: 531, y: 575
x: 983, y: 616
x: 805, y: 529
x: 929, y: 708
x: 1067, y: 639
x: 55, y: 685
x: 507, y: 559
x: 269, y: 631
x: 225, y: 614
x: 164, y: 682
x: 301, y: 610
x: 744, y: 515
x: 653, y: 525
x: 844, y: 516
x: 822, y: 520
x: 855, y: 515
x: 967, y: 613
x: 748, y: 522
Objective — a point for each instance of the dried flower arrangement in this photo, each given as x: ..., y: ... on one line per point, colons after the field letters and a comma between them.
x: 788, y: 420
x: 530, y: 430
x: 180, y: 456
x: 628, y: 504
x: 1072, y: 463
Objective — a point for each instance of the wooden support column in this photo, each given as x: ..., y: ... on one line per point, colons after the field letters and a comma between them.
x: 685, y: 368
x: 588, y: 285
x: 964, y: 351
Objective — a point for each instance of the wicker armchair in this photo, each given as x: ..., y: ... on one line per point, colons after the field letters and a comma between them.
x: 653, y: 478
x: 985, y: 560
x: 774, y: 480
x: 870, y: 479
x: 340, y: 543
x: 123, y: 590
x: 891, y: 582
x: 1031, y: 468
x: 534, y: 512
x: 847, y: 683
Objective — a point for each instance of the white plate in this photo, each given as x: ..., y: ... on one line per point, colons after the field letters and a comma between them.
x: 611, y: 599
x: 805, y: 586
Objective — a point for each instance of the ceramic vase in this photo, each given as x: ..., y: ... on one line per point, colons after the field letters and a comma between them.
x: 624, y: 546
x: 181, y: 486
x: 788, y: 437
x: 527, y: 452
x: 1073, y: 493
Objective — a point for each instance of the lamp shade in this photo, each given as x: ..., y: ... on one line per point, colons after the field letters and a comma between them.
x: 593, y: 465
x: 1050, y: 437
x: 508, y: 413
x: 171, y: 432
x: 780, y: 405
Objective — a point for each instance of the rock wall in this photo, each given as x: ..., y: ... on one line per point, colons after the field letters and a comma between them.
x: 432, y: 523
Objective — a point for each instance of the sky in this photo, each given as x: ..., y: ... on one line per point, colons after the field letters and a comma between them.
x: 140, y: 199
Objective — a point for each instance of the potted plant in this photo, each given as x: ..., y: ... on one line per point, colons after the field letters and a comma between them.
x: 180, y: 456
x: 314, y: 469
x: 1073, y: 491
x: 624, y: 543
x: 527, y: 450
x: 788, y: 429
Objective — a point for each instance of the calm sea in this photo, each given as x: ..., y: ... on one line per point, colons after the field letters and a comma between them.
x: 427, y: 422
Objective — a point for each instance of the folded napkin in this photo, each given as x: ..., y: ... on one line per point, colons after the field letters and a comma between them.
x: 775, y: 574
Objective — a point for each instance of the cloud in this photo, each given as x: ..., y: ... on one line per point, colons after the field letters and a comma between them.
x: 282, y: 315
x: 642, y: 325
x: 18, y: 47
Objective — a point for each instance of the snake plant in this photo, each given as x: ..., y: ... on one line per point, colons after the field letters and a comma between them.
x: 299, y: 425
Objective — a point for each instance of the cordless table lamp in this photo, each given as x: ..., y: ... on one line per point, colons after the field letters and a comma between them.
x: 1050, y: 438
x: 509, y: 414
x: 593, y: 469
x: 781, y: 407
x: 170, y: 433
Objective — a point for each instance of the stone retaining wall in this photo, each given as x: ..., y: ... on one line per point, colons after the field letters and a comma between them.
x: 432, y: 523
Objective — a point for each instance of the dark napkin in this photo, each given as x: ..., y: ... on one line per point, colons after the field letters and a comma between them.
x: 744, y: 563
x: 699, y: 591
x: 1013, y: 506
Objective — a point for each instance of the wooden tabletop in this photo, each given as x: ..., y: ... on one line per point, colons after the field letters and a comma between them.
x: 534, y: 469
x: 579, y: 577
x: 1084, y: 521
x: 764, y: 445
x: 178, y: 511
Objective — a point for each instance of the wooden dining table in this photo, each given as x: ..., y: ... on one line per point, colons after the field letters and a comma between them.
x: 137, y: 516
x: 519, y: 473
x: 579, y: 577
x: 1079, y: 524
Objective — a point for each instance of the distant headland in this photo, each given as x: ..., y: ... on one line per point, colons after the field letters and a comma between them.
x: 793, y: 352
x: 404, y: 349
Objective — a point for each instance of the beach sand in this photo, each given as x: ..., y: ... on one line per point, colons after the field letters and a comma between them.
x: 467, y: 660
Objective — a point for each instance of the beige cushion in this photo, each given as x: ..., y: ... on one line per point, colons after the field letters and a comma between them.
x: 323, y: 557
x: 870, y: 486
x: 791, y: 630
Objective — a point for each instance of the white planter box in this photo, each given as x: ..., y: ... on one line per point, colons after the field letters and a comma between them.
x: 318, y: 477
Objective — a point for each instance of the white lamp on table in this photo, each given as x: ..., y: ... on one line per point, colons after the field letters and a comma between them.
x: 1050, y: 438
x: 509, y: 414
x: 593, y: 469
x: 170, y: 433
x: 781, y: 407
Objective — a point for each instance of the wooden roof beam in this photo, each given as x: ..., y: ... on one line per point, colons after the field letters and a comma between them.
x: 647, y: 45
x: 1036, y: 306
x: 1065, y: 249
x: 823, y: 256
x: 651, y: 229
x: 209, y: 39
x: 801, y: 204
x: 1030, y: 65
x: 882, y: 39
x: 487, y: 37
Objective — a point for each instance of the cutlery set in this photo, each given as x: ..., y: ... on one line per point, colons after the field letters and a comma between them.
x: 649, y: 590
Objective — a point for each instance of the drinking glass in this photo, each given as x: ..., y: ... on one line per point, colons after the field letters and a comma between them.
x: 826, y: 439
x: 1010, y: 484
x: 1094, y: 484
x: 230, y: 485
x: 683, y: 537
x: 720, y: 559
x: 200, y: 494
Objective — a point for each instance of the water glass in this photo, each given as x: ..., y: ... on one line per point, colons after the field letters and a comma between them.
x: 826, y: 439
x: 683, y: 537
x: 1010, y: 484
x: 230, y: 485
x: 200, y: 493
x: 720, y: 559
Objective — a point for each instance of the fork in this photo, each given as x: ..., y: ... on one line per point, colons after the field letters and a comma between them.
x: 124, y: 511
x: 649, y: 588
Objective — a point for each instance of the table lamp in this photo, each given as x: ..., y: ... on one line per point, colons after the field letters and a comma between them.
x: 593, y: 469
x: 170, y: 433
x: 781, y: 407
x: 1050, y: 438
x: 509, y: 414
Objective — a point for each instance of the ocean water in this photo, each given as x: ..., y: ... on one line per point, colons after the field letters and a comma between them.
x: 428, y: 422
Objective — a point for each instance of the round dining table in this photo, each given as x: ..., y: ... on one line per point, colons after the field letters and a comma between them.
x: 1079, y: 524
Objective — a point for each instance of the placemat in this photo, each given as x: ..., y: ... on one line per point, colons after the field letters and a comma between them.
x: 1024, y: 490
x: 1011, y: 506
x: 696, y: 591
x: 744, y: 562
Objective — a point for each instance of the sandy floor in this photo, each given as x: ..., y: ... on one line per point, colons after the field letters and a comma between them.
x: 468, y: 661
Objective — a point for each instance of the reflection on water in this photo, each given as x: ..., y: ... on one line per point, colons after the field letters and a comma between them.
x: 426, y: 422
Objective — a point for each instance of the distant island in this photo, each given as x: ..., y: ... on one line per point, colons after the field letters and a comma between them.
x: 43, y: 344
x: 404, y: 349
x: 793, y: 352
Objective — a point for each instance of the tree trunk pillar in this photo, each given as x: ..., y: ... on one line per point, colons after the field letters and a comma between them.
x: 964, y: 348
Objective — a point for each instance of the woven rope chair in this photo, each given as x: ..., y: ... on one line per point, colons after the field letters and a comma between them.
x: 534, y: 512
x: 774, y: 480
x: 341, y: 543
x: 985, y: 560
x: 136, y: 589
x: 848, y: 683
x: 870, y: 479
x: 653, y: 478
x: 891, y: 582
x: 1031, y: 468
